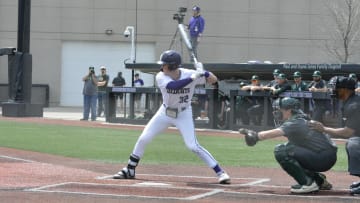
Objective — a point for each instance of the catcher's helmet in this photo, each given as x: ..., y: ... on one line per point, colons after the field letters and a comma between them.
x: 285, y: 103
x: 170, y: 57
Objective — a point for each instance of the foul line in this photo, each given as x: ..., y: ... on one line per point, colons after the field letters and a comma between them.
x: 17, y: 159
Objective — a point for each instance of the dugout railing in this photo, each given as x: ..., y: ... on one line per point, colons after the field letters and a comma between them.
x: 151, y: 99
x: 305, y: 97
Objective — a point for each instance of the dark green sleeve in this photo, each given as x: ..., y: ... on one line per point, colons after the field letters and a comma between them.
x: 293, y: 128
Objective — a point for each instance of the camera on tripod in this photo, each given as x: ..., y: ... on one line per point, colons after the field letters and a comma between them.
x: 179, y: 16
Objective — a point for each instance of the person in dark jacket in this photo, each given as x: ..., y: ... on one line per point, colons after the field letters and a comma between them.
x: 344, y: 90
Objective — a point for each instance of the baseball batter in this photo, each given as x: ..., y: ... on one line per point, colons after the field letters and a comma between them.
x: 177, y: 88
x: 344, y: 90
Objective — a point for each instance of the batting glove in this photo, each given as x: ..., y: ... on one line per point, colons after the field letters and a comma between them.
x: 199, y: 66
x: 197, y: 75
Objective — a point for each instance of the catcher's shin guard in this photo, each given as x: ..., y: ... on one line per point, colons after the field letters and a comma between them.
x: 129, y: 171
x: 322, y: 182
x: 290, y: 165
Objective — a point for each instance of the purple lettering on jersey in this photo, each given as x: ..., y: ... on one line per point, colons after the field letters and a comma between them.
x: 179, y: 91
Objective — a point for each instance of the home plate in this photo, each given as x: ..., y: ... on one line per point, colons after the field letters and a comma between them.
x: 152, y: 184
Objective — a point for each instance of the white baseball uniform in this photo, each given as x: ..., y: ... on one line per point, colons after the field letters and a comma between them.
x: 176, y: 99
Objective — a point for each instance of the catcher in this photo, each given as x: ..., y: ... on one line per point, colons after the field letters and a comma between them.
x: 307, y: 152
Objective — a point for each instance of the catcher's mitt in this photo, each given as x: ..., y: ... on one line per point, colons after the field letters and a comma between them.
x: 251, y: 137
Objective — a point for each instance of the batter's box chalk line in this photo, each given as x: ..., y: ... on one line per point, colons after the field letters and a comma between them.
x: 53, y: 189
x: 305, y: 197
x: 250, y: 181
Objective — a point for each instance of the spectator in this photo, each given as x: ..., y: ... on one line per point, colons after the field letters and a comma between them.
x: 273, y: 82
x: 119, y: 81
x: 223, y: 114
x: 256, y: 109
x: 200, y: 104
x: 204, y: 104
x: 196, y: 106
x: 90, y: 95
x: 196, y: 29
x: 281, y: 85
x: 298, y: 85
x: 254, y: 86
x: 267, y: 87
x: 138, y: 82
x: 103, y: 80
x: 242, y: 104
x: 320, y: 106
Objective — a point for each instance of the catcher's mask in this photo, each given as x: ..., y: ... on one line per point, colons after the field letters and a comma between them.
x: 171, y: 58
x: 285, y: 103
x: 338, y: 82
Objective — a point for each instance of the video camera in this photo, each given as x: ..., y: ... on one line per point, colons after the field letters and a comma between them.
x: 179, y: 16
x: 92, y: 70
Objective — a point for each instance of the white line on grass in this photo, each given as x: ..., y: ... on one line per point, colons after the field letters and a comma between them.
x: 17, y: 159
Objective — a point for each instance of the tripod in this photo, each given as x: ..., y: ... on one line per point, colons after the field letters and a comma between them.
x: 179, y: 17
x: 173, y: 40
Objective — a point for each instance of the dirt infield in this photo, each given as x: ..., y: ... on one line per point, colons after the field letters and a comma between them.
x: 35, y: 177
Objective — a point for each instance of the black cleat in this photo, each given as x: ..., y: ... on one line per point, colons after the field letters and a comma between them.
x: 355, y: 191
x: 355, y: 185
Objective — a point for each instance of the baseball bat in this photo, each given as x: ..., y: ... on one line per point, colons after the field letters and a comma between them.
x: 186, y: 40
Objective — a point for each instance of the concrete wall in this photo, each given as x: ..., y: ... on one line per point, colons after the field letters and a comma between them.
x: 236, y: 30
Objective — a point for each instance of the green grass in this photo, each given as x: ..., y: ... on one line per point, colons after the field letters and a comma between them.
x: 115, y: 145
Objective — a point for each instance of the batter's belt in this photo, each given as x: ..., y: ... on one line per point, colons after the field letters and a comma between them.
x: 173, y: 112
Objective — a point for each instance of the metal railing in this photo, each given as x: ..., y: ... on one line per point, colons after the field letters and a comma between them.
x: 151, y: 100
x: 305, y: 98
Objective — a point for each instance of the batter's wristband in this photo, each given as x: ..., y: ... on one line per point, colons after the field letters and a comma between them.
x: 206, y: 74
